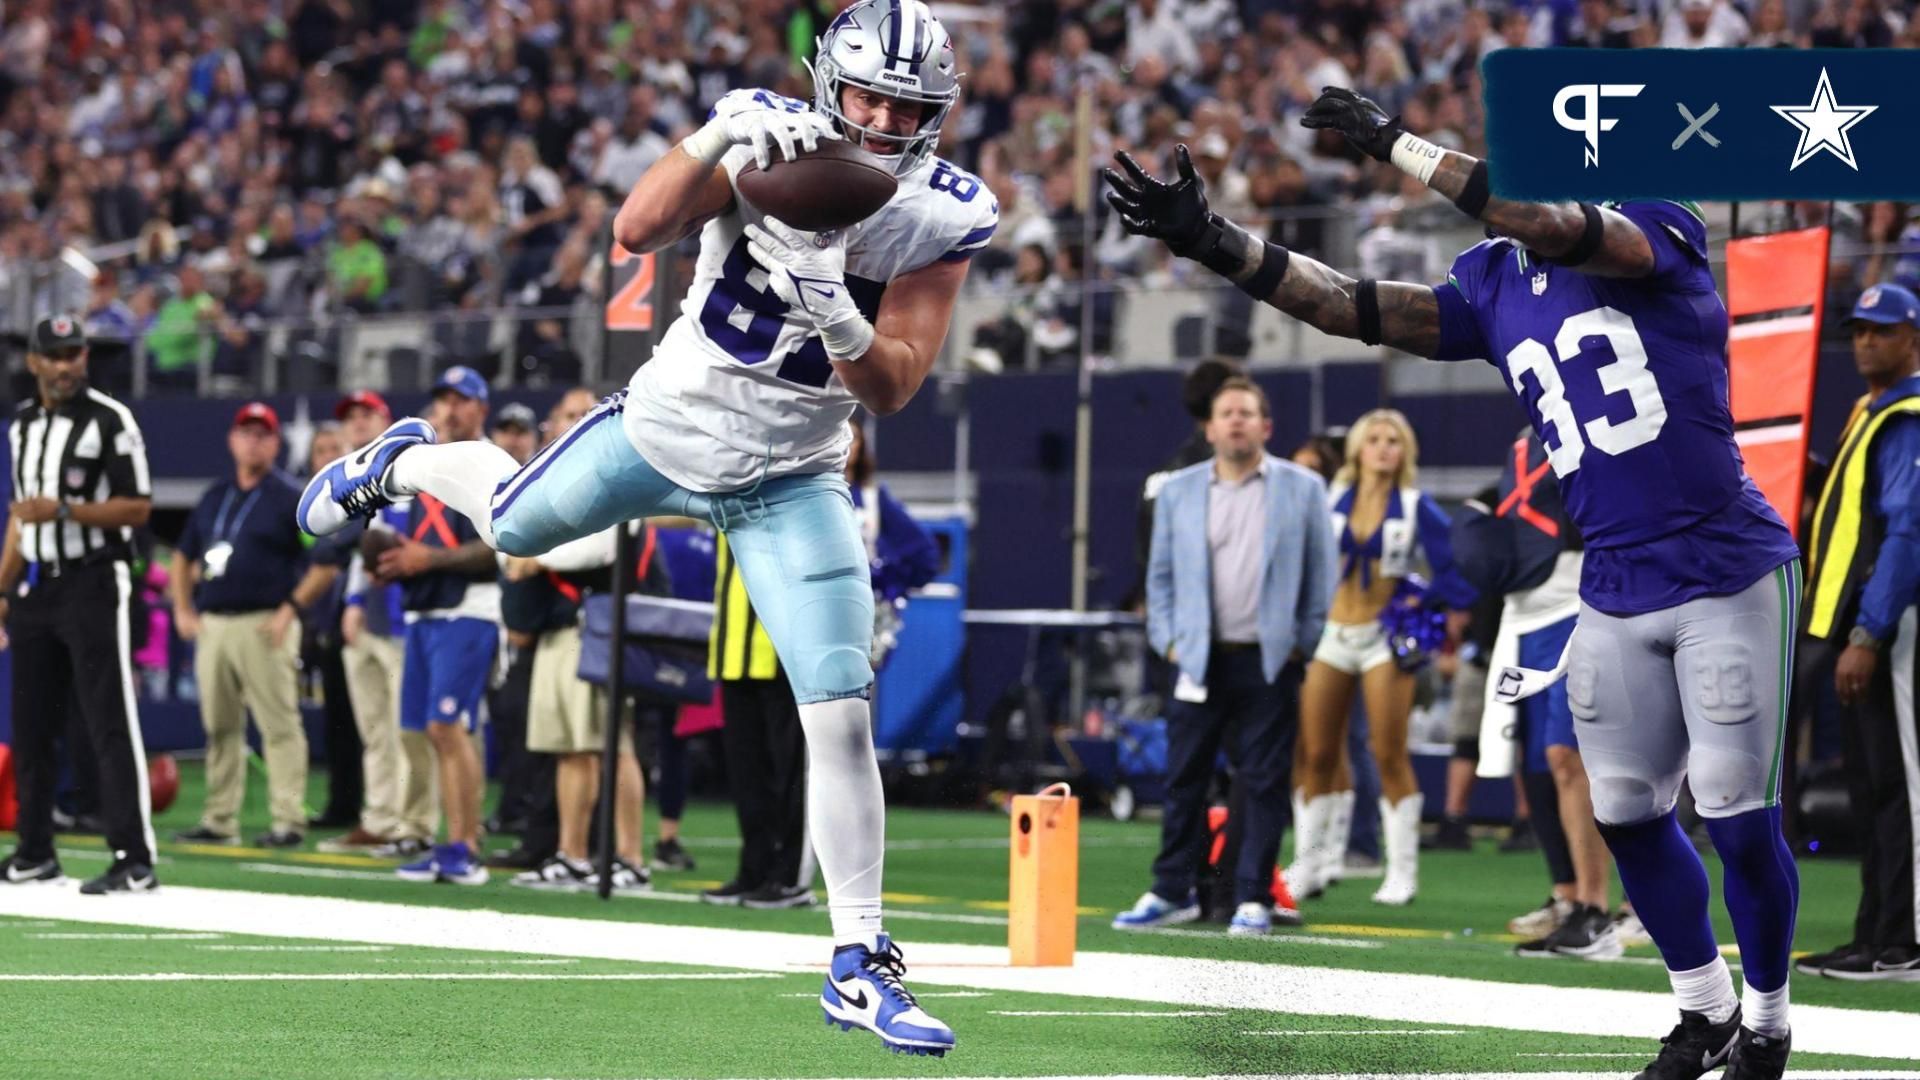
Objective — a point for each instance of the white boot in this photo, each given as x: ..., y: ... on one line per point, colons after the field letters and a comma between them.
x: 1307, y: 877
x: 1400, y: 827
x: 1339, y: 835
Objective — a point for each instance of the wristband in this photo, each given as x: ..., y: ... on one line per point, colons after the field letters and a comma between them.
x: 1473, y: 198
x: 1415, y: 156
x: 709, y: 144
x: 848, y: 339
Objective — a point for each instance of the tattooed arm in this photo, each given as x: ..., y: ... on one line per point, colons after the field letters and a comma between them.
x: 1302, y: 287
x: 1552, y: 229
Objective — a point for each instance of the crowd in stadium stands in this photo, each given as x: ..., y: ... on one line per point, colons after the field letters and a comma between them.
x: 229, y: 163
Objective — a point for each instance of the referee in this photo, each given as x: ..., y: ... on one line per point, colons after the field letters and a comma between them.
x: 80, y: 486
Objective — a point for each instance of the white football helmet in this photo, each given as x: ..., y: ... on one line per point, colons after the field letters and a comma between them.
x: 891, y: 47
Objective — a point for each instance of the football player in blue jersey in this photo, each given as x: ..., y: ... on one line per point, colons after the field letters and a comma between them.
x: 1606, y: 325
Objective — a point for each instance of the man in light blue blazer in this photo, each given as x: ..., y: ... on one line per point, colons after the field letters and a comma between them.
x: 1239, y: 578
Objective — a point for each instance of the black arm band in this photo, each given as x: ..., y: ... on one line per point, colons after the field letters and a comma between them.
x: 1366, y: 305
x: 1473, y: 197
x: 1273, y: 267
x: 1590, y: 238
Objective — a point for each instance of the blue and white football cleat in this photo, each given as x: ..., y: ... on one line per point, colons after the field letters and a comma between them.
x: 1251, y: 918
x: 863, y: 991
x: 1153, y: 910
x: 354, y: 486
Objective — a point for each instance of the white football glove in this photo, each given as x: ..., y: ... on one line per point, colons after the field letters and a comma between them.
x: 813, y: 280
x: 750, y: 123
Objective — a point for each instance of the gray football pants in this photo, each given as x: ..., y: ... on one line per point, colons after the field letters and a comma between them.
x: 1696, y: 691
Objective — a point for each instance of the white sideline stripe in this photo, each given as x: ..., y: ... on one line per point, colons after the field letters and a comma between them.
x: 1789, y: 324
x: 303, y: 948
x: 1116, y: 1012
x: 396, y: 976
x: 68, y: 936
x: 1812, y: 1074
x: 1280, y: 937
x: 930, y: 994
x: 504, y: 960
x: 935, y: 916
x: 318, y: 871
x: 1181, y: 981
x: 1366, y: 1031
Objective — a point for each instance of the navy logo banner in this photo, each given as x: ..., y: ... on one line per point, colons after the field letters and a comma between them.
x: 1714, y: 124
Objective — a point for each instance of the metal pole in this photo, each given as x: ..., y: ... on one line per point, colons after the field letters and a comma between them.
x: 616, y: 691
x: 1083, y: 413
x: 606, y: 303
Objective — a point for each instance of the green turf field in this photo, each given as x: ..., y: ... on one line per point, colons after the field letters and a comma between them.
x: 253, y: 963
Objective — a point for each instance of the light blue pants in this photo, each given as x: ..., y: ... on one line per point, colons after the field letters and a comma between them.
x: 796, y: 539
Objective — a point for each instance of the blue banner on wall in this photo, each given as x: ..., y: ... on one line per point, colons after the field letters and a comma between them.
x: 1715, y: 124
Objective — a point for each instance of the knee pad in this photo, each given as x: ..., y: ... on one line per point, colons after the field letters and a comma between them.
x: 1726, y: 782
x: 1626, y: 800
x: 513, y: 534
x: 842, y: 671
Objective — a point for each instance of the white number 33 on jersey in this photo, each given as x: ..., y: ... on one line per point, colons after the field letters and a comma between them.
x: 1626, y: 374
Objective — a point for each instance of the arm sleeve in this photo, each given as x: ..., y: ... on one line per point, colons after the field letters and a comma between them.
x: 1896, y: 570
x: 1679, y: 241
x: 1319, y: 573
x: 1160, y: 579
x: 127, y: 475
x: 1450, y: 588
x: 908, y: 556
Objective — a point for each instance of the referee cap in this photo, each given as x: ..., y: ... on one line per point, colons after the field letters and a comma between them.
x: 56, y: 333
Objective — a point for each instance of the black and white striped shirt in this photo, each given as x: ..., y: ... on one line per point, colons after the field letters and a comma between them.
x: 88, y: 450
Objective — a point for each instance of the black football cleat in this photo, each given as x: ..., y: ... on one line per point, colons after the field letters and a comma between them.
x: 1758, y: 1057
x: 1695, y: 1047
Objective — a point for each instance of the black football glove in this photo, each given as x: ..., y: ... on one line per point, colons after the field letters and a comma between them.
x: 1175, y: 213
x: 1365, y: 124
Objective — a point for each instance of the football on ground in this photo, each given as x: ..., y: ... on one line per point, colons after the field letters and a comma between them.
x: 832, y: 187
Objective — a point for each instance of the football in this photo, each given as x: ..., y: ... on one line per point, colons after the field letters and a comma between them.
x: 163, y: 781
x: 832, y: 187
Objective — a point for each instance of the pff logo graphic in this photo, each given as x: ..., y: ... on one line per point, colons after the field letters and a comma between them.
x: 1589, y: 122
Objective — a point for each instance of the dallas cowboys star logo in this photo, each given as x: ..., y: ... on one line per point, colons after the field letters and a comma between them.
x: 1823, y: 125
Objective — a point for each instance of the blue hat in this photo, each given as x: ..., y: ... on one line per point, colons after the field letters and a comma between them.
x: 1888, y: 305
x: 466, y: 382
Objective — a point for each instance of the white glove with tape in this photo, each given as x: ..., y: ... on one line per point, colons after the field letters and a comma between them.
x: 743, y: 120
x: 813, y: 280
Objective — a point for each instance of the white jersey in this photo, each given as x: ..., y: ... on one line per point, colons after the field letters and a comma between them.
x: 740, y: 389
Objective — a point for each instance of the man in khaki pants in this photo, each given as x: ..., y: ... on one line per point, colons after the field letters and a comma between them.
x: 402, y: 808
x: 234, y: 595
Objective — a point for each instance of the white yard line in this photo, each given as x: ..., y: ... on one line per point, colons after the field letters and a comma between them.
x: 397, y: 976
x: 1181, y: 981
x: 1282, y: 938
x: 1136, y: 1012
x: 74, y: 936
x: 300, y: 948
x: 1365, y: 1031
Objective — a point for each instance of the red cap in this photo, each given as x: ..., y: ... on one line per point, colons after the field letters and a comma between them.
x: 366, y: 398
x: 258, y: 412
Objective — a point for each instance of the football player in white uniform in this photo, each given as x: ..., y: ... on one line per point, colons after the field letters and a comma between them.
x: 740, y: 418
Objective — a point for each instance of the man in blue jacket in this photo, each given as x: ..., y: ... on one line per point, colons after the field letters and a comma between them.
x: 1239, y: 578
x: 1863, y: 555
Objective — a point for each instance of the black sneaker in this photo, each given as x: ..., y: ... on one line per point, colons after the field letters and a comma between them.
x: 1520, y: 837
x: 774, y: 897
x: 1816, y: 963
x: 1695, y: 1047
x: 21, y: 871
x: 123, y: 877
x: 1901, y: 963
x: 669, y: 855
x: 200, y: 834
x: 1587, y: 934
x: 334, y: 819
x: 728, y: 895
x: 1451, y: 836
x: 280, y: 838
x: 1758, y: 1057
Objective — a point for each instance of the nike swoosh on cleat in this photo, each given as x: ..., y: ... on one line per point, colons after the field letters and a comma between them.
x: 857, y: 999
x: 1714, y: 1061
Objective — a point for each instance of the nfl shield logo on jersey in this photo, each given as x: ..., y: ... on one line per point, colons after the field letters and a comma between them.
x: 1539, y: 283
